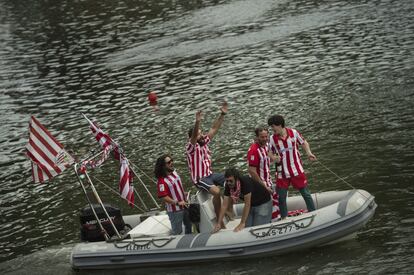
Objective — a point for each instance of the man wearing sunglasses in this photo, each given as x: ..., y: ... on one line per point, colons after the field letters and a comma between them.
x: 170, y: 190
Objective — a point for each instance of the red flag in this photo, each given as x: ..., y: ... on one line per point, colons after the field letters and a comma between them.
x: 125, y: 183
x: 48, y: 156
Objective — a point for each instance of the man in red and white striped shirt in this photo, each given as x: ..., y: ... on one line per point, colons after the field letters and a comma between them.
x: 170, y: 189
x: 199, y: 157
x: 284, y: 149
x: 259, y: 166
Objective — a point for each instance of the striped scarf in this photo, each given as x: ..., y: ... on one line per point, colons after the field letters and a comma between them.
x: 235, y: 192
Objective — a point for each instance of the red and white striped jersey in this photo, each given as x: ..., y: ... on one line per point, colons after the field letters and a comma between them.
x: 199, y: 160
x: 171, y: 186
x: 289, y: 153
x: 258, y: 157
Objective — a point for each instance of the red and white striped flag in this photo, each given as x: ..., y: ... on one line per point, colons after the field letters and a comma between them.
x: 48, y: 156
x: 125, y: 183
x: 103, y: 138
x: 126, y: 189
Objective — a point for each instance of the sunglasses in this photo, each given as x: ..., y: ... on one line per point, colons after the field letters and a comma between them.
x: 169, y: 162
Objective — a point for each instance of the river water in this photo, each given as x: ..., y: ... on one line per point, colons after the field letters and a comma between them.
x: 341, y: 72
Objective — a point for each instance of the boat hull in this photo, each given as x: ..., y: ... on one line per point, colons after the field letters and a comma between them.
x: 326, y: 225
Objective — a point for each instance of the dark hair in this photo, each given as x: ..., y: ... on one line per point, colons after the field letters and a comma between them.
x: 160, y: 170
x: 232, y: 172
x: 277, y: 120
x: 260, y: 129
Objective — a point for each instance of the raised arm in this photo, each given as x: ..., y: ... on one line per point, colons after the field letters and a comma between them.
x: 193, y: 138
x: 219, y: 121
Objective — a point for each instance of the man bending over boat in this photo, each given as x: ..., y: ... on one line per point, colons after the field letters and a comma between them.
x: 257, y: 202
x: 170, y: 189
x: 284, y: 145
x: 199, y: 158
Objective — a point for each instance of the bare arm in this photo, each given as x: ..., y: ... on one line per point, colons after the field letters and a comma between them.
x: 308, y: 151
x: 245, y: 214
x: 218, y: 122
x: 255, y: 176
x: 226, y: 202
x: 169, y: 200
x: 196, y: 128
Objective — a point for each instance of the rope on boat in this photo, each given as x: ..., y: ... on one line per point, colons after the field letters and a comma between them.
x: 280, y: 227
x: 136, y: 206
x: 145, y: 174
x: 340, y: 178
x: 117, y: 193
x: 140, y: 243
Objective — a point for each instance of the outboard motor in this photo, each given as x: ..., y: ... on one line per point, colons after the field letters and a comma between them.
x: 193, y: 212
x: 90, y: 230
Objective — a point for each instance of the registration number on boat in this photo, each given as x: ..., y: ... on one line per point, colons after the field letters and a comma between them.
x: 280, y: 229
x: 275, y: 231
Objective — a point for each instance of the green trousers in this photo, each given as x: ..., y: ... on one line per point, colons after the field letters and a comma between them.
x: 282, y: 200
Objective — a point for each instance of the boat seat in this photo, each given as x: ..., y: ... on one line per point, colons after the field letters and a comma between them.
x: 152, y: 226
x: 207, y: 214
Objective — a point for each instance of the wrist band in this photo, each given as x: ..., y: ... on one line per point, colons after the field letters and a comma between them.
x: 223, y: 113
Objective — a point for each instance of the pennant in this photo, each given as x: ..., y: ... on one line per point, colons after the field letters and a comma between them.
x: 48, y: 156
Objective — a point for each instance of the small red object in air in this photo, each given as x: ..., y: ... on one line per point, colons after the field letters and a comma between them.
x: 152, y: 98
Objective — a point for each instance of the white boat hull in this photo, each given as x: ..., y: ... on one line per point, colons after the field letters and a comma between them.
x: 338, y: 215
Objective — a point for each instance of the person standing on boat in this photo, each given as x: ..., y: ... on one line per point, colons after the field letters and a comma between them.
x: 199, y: 157
x: 256, y: 197
x: 283, y: 148
x: 259, y: 166
x: 170, y: 189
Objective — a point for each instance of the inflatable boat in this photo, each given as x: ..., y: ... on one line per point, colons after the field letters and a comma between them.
x: 111, y: 240
x: 148, y: 242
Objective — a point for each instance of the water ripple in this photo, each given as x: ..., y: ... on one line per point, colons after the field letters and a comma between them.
x: 340, y: 71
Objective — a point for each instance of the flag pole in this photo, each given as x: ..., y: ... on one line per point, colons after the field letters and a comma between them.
x: 140, y: 199
x: 98, y: 199
x: 106, y: 236
x: 101, y: 204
